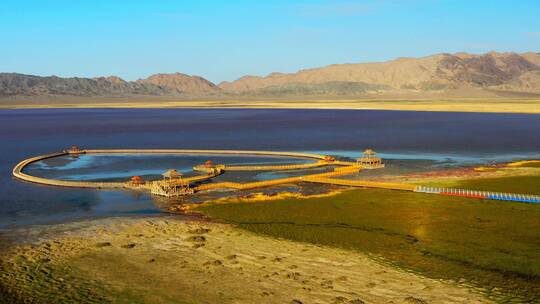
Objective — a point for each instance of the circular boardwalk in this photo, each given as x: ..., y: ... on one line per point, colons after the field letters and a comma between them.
x: 182, y: 186
x: 18, y: 169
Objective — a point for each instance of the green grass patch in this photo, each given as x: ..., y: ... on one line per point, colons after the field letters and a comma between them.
x: 514, y: 184
x: 488, y: 243
x: 526, y: 184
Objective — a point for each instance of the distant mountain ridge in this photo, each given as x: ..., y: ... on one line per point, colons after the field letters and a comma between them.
x: 441, y: 73
x: 13, y: 84
x: 436, y: 72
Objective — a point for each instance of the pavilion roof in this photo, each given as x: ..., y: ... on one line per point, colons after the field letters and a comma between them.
x: 172, y: 173
x: 369, y: 152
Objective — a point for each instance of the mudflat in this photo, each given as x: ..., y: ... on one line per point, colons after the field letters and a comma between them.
x: 166, y: 260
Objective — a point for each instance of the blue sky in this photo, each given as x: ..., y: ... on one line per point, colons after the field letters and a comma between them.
x: 223, y: 40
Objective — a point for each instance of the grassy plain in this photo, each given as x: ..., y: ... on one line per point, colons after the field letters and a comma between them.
x: 520, y: 177
x: 495, y: 245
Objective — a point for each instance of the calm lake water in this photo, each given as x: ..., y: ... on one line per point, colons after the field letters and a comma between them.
x: 409, y: 140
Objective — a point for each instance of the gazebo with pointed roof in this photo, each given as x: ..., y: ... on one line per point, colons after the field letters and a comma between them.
x: 171, y: 185
x: 369, y: 160
x: 329, y: 158
x: 136, y: 180
x: 171, y: 174
x: 209, y: 163
x: 369, y: 153
x: 74, y: 150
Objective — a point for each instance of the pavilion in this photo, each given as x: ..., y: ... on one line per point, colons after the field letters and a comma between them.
x: 171, y: 185
x: 369, y: 160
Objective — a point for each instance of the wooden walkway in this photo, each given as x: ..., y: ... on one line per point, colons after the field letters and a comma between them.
x: 276, y: 167
x: 18, y: 169
x: 206, y: 152
x: 360, y: 183
x: 343, y: 168
x: 18, y: 173
x: 279, y: 181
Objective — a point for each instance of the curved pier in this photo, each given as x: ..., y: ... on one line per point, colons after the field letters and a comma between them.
x: 17, y: 172
x: 205, y: 152
x: 342, y: 168
x: 286, y: 180
x: 18, y: 169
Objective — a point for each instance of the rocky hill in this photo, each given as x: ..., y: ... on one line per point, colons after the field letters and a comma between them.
x: 526, y: 83
x: 12, y: 84
x: 433, y: 73
x: 181, y: 83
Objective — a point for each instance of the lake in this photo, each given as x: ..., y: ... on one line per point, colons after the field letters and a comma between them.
x: 408, y: 140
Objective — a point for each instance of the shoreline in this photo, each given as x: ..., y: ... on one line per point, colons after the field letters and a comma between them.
x: 495, y: 105
x: 219, y: 256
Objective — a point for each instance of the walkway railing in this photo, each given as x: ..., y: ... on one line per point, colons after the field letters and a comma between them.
x: 286, y: 180
x: 526, y: 198
x: 276, y: 167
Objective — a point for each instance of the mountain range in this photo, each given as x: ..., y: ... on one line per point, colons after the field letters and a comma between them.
x: 440, y: 73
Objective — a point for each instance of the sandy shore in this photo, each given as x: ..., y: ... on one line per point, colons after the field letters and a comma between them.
x: 483, y: 105
x: 166, y: 260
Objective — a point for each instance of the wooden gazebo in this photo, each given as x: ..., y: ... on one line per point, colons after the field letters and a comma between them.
x: 329, y: 158
x: 171, y: 185
x: 74, y: 150
x: 136, y: 180
x: 369, y: 160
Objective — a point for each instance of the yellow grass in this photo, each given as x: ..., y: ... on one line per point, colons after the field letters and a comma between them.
x: 524, y: 163
x: 495, y: 105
